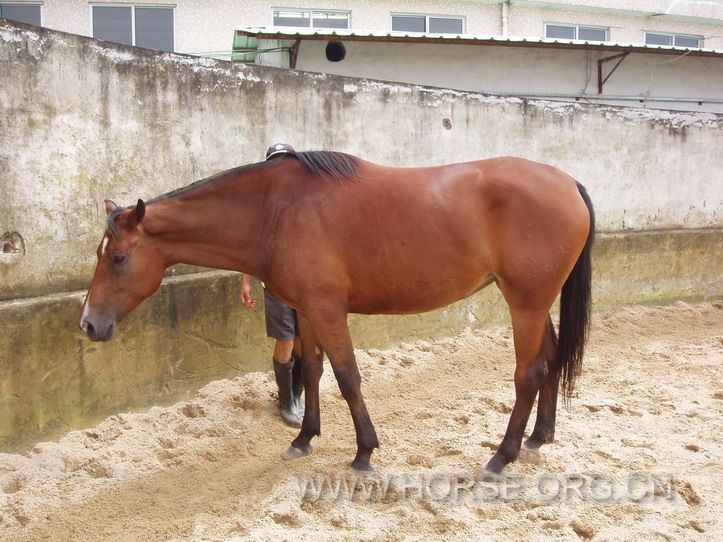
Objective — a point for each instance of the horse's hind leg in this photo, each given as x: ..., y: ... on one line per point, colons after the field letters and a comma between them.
x: 544, y: 431
x: 528, y: 327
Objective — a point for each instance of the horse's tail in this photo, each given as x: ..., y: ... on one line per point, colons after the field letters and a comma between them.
x: 575, y: 310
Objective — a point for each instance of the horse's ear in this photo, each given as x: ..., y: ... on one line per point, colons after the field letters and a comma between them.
x: 110, y: 206
x: 139, y: 211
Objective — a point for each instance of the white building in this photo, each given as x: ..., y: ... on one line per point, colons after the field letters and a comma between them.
x: 649, y: 53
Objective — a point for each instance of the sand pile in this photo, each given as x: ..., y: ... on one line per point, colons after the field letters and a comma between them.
x: 638, y: 455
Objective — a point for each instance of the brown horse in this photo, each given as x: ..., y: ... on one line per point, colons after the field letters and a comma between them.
x: 331, y: 234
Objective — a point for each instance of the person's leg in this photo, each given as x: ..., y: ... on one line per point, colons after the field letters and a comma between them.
x: 283, y: 349
x: 281, y: 326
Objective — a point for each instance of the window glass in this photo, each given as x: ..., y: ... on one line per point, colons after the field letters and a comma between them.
x: 440, y: 25
x: 592, y: 34
x: 113, y: 24
x: 322, y: 19
x: 24, y: 14
x: 686, y: 41
x: 409, y: 23
x: 292, y: 18
x: 154, y: 28
x: 658, y: 39
x: 559, y: 31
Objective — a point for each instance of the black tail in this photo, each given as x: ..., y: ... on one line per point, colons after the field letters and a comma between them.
x: 575, y: 310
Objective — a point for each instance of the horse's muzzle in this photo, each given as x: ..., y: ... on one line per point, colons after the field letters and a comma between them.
x: 101, y: 329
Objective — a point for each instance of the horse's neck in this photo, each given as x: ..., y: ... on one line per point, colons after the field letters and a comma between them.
x: 215, y: 226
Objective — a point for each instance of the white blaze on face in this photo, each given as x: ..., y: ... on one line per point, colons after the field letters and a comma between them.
x: 84, y: 314
x: 104, y: 245
x: 86, y: 303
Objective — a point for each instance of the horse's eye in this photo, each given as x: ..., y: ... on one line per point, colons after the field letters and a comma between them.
x: 118, y: 258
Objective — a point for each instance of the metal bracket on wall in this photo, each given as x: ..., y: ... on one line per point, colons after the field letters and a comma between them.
x: 600, y: 81
x: 294, y: 54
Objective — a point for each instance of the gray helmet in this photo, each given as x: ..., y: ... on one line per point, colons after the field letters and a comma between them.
x: 278, y: 149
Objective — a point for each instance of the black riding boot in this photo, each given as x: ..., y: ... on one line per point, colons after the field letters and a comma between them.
x: 289, y: 412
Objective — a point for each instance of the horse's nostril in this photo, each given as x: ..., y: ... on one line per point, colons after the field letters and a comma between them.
x: 89, y: 329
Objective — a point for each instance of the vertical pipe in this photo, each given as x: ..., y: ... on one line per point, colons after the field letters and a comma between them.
x: 505, y: 18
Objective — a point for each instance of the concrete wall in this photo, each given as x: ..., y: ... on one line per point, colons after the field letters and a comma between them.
x: 82, y: 120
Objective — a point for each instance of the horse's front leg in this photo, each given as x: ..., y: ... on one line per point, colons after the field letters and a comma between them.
x: 528, y: 329
x: 312, y: 369
x: 329, y: 322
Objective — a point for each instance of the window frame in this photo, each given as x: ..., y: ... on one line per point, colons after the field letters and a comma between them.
x: 673, y: 36
x: 577, y: 28
x: 427, y: 17
x: 311, y: 12
x: 133, y: 7
x: 39, y: 4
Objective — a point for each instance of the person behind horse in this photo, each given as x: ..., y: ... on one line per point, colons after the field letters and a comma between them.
x: 281, y: 326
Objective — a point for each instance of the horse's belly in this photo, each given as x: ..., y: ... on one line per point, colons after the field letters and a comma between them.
x: 390, y: 296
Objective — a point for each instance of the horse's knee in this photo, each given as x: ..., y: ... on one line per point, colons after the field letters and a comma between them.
x: 349, y: 382
x: 311, y: 373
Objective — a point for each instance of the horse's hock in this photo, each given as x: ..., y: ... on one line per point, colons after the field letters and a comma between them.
x: 122, y: 123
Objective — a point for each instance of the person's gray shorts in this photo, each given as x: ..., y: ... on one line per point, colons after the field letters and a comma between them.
x: 280, y: 318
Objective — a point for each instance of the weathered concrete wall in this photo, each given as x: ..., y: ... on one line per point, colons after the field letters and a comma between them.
x: 81, y: 121
x: 53, y: 379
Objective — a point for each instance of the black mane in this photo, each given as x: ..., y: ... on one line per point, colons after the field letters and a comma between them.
x: 337, y: 165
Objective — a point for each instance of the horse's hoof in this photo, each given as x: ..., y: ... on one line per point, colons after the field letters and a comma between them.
x: 362, y: 466
x: 292, y: 452
x: 530, y: 455
x: 362, y: 474
x: 484, y: 475
x: 495, y: 466
x: 535, y: 441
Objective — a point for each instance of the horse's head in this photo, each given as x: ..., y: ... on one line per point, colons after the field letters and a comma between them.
x: 129, y: 270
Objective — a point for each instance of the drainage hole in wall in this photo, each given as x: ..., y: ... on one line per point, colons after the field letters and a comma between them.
x: 12, y: 244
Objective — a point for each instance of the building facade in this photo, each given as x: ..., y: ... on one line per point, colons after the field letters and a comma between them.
x: 207, y: 27
x: 664, y: 54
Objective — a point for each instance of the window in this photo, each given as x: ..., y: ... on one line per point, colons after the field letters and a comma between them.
x: 576, y: 32
x: 311, y: 19
x: 25, y: 13
x: 428, y: 23
x: 143, y: 26
x: 658, y: 38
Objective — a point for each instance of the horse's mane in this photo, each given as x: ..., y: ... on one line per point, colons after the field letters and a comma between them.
x: 338, y: 166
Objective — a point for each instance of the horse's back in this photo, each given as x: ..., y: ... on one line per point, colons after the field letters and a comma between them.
x: 498, y: 201
x: 413, y: 239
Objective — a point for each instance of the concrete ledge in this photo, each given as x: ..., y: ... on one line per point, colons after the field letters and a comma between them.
x: 194, y: 330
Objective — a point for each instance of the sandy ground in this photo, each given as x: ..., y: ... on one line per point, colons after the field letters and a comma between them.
x: 638, y: 454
